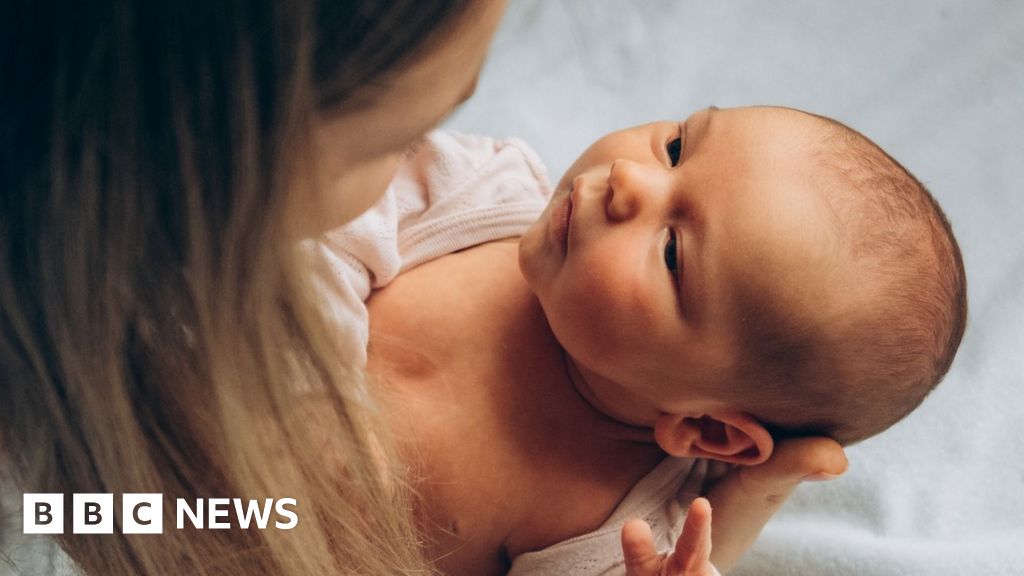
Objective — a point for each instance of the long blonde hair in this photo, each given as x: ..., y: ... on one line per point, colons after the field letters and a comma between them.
x: 157, y: 332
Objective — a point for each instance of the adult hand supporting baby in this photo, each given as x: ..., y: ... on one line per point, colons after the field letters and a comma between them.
x: 748, y: 496
x: 744, y: 500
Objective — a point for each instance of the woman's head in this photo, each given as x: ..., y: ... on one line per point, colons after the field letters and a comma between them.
x: 155, y: 326
x: 359, y: 141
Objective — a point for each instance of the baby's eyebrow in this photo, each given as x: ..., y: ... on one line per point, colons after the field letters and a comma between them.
x: 709, y: 115
x: 692, y: 290
x: 694, y: 260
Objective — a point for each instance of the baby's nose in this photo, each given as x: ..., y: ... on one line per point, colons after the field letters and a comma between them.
x: 628, y: 189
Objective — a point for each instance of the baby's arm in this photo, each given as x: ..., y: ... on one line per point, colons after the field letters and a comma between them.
x: 744, y: 500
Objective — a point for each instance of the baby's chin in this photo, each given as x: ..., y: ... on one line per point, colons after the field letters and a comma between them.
x: 531, y: 243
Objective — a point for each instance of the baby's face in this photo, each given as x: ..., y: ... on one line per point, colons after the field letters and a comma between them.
x: 660, y: 238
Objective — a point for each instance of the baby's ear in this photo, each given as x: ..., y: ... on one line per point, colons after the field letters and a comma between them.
x: 729, y: 436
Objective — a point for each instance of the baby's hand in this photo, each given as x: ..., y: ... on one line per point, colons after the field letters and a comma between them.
x: 692, y: 556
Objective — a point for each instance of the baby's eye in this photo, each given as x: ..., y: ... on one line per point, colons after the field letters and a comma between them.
x: 674, y: 149
x: 671, y: 252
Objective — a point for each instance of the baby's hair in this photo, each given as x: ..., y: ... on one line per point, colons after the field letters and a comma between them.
x: 856, y: 373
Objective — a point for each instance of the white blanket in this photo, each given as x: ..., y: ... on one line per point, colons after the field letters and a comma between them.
x: 940, y: 85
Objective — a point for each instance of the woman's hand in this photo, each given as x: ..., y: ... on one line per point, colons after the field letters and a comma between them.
x: 691, y: 557
x: 744, y: 499
x: 748, y: 496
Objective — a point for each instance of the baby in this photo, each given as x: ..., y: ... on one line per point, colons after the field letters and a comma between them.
x: 697, y: 290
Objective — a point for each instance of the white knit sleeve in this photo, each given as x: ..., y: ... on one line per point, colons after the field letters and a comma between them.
x: 360, y: 256
x: 452, y: 191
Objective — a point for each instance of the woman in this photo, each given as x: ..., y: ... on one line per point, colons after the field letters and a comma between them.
x: 161, y: 161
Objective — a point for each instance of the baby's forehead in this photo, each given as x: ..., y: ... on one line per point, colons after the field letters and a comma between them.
x: 781, y: 114
x: 764, y: 131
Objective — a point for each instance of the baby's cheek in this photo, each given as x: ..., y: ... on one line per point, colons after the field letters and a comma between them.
x: 625, y: 297
x: 579, y: 319
x: 602, y: 314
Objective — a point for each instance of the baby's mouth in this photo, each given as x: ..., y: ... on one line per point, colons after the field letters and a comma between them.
x: 568, y: 219
x: 559, y: 221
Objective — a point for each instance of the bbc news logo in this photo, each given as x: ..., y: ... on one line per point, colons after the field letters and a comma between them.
x: 144, y: 514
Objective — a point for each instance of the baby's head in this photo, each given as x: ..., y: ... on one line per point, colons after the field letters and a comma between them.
x: 746, y: 270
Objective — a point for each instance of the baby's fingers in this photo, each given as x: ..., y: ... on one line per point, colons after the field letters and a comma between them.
x: 693, y: 549
x: 642, y: 559
x: 692, y: 556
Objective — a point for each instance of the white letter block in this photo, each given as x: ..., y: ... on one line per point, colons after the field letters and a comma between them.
x: 92, y: 514
x: 43, y: 513
x: 142, y: 513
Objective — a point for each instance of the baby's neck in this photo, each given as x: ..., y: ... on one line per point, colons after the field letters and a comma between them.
x: 625, y: 428
x: 483, y: 400
x: 525, y: 318
x: 474, y: 311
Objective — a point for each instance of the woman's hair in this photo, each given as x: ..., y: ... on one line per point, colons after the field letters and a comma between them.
x: 157, y: 331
